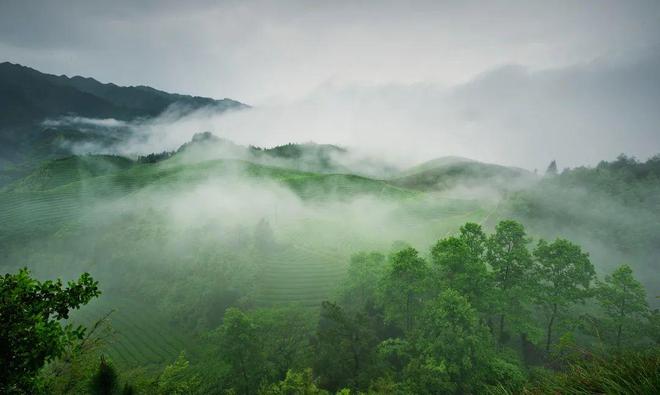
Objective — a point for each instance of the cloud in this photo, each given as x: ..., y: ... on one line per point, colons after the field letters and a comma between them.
x: 82, y: 121
x: 510, y: 115
x: 255, y: 50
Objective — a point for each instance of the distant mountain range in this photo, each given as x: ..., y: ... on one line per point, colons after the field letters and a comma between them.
x: 28, y: 97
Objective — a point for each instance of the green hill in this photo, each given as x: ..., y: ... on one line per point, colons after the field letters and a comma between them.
x: 449, y: 172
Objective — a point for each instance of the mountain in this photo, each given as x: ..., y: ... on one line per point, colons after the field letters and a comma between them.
x: 29, y: 97
x: 448, y: 172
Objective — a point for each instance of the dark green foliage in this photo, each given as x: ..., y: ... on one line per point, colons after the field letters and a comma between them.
x: 295, y: 383
x: 510, y: 262
x: 285, y: 338
x: 105, y: 380
x: 623, y: 299
x: 565, y: 275
x: 30, y: 330
x: 403, y: 288
x: 155, y: 157
x: 459, y: 264
x: 345, y: 347
x: 240, y: 349
x: 177, y: 379
x: 361, y: 287
x: 128, y: 390
x: 451, y: 348
x: 259, y: 347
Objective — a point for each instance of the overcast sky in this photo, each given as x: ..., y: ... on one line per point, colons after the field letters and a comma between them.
x: 516, y: 82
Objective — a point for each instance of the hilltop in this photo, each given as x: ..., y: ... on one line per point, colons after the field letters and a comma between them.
x: 449, y: 172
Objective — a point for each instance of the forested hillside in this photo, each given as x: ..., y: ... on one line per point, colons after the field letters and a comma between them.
x: 612, y: 209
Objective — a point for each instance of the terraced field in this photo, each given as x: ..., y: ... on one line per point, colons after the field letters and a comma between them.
x: 299, y: 276
x: 140, y: 336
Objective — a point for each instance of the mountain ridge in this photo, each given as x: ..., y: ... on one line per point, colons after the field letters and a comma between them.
x: 28, y: 97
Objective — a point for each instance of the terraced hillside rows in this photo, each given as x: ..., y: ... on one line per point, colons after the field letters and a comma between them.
x: 60, y: 190
x: 297, y: 275
x: 138, y: 335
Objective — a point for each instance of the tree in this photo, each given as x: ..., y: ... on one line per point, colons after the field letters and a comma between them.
x: 510, y: 261
x: 623, y: 299
x: 402, y: 288
x: 475, y: 239
x: 104, y: 381
x: 453, y: 348
x: 285, y: 338
x: 552, y: 169
x: 565, y: 274
x: 295, y: 383
x: 459, y: 264
x: 176, y: 378
x: 241, y: 349
x: 361, y: 286
x: 31, y: 333
x: 345, y: 347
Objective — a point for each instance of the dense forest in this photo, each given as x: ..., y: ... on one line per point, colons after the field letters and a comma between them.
x: 477, y: 313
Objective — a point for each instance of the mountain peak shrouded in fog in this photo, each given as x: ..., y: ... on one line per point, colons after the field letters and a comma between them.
x: 41, y: 114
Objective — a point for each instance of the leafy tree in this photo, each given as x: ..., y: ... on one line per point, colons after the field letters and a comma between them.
x: 623, y: 299
x: 403, y: 288
x: 105, y: 380
x: 30, y: 330
x: 475, y: 239
x: 295, y: 383
x: 510, y: 261
x: 345, y: 347
x: 285, y: 337
x: 241, y: 349
x: 566, y: 274
x: 459, y: 264
x: 364, y: 272
x: 176, y: 378
x: 452, y: 348
x: 552, y: 169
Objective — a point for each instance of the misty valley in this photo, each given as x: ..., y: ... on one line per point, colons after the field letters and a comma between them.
x: 206, y: 266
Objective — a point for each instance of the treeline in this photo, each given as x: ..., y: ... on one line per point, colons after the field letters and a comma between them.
x: 613, y: 209
x: 475, y: 314
x: 479, y: 313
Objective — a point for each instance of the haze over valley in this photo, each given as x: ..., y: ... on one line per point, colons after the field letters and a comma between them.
x: 418, y: 208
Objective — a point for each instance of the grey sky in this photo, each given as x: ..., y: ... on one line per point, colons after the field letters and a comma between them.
x: 551, y: 63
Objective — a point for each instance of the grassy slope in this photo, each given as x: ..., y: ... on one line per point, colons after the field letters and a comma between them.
x: 445, y: 173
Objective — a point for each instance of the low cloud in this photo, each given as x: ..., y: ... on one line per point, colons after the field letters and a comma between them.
x: 511, y: 115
